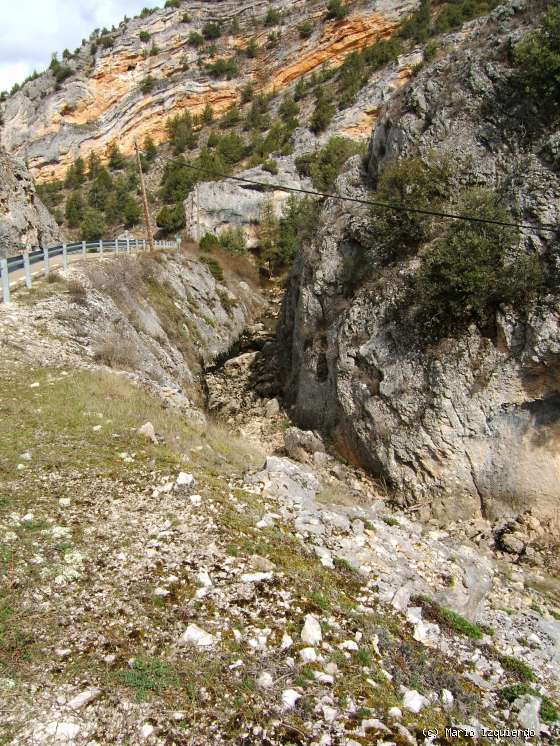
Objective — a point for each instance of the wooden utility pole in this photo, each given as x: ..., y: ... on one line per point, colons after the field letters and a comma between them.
x: 147, y: 222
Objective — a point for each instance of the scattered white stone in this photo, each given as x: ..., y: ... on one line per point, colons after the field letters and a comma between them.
x: 256, y: 577
x: 126, y: 457
x: 64, y: 502
x: 146, y: 731
x: 289, y: 698
x: 236, y: 664
x: 311, y: 632
x: 374, y: 724
x: 265, y: 680
x: 20, y: 467
x: 35, y: 385
x: 529, y: 712
x: 414, y: 701
x: 287, y: 641
x: 97, y: 428
x: 27, y: 518
x: 25, y: 456
x: 395, y: 713
x: 195, y: 500
x: 148, y: 431
x: 447, y: 699
x: 62, y: 653
x: 308, y: 655
x: 323, y: 678
x: 349, y: 645
x: 7, y: 684
x: 185, y: 482
x: 161, y: 592
x: 329, y: 713
x: 195, y: 635
x: 203, y: 579
x: 59, y: 731
x: 83, y: 699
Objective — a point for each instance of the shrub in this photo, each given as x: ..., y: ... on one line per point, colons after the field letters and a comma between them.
x: 195, y: 39
x: 211, y: 30
x: 207, y: 116
x: 75, y: 175
x: 247, y: 93
x: 466, y: 276
x: 271, y: 166
x: 150, y: 149
x: 231, y: 117
x: 185, y: 18
x: 215, y: 270
x: 147, y: 84
x: 100, y: 189
x: 252, y: 49
x: 305, y: 30
x: 117, y: 160
x: 74, y: 209
x: 232, y: 240
x: 93, y: 225
x: 144, y: 36
x: 324, y: 165
x: 537, y: 61
x: 225, y: 67
x: 231, y: 148
x: 296, y: 226
x: 518, y: 667
x: 181, y: 132
x: 323, y: 113
x: 171, y: 219
x: 172, y: 4
x: 177, y: 181
x: 208, y: 242
x: 117, y: 352
x: 272, y: 17
x: 336, y: 10
x: 418, y: 183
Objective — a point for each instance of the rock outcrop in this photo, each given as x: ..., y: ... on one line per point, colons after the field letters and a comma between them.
x: 469, y: 426
x: 25, y: 222
x: 105, y: 98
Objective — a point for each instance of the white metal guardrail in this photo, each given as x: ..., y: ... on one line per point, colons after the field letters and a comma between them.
x: 37, y: 257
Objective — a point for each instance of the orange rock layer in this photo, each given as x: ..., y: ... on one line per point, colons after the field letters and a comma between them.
x: 117, y: 76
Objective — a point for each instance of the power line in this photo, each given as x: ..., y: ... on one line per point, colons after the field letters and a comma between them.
x: 371, y: 203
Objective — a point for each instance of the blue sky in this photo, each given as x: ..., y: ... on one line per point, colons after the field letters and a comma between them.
x: 31, y: 30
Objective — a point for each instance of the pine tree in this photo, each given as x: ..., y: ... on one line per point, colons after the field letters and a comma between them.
x: 74, y: 211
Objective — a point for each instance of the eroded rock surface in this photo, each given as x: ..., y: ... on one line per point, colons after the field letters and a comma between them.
x: 468, y: 426
x: 25, y: 222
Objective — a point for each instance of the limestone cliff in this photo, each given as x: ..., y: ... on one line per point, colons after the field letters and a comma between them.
x: 24, y: 221
x: 103, y: 99
x: 468, y: 426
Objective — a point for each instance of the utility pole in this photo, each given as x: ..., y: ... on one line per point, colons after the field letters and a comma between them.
x: 147, y: 222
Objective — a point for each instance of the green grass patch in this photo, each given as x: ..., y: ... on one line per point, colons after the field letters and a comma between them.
x: 448, y: 619
x: 549, y: 712
x: 150, y: 675
x: 518, y: 667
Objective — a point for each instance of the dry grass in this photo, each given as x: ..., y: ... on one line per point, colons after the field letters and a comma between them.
x: 117, y: 352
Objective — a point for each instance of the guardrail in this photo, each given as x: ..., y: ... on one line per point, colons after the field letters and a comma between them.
x: 24, y: 262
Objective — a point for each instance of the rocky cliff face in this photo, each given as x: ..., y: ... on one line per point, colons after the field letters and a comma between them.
x: 102, y: 100
x: 24, y: 221
x: 469, y: 426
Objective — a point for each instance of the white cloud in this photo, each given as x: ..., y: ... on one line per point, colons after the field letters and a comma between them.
x: 30, y: 32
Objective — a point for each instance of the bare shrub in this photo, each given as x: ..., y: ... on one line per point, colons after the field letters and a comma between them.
x: 77, y: 291
x: 117, y: 352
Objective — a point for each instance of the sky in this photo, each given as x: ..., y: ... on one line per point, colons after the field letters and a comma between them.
x: 31, y: 30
